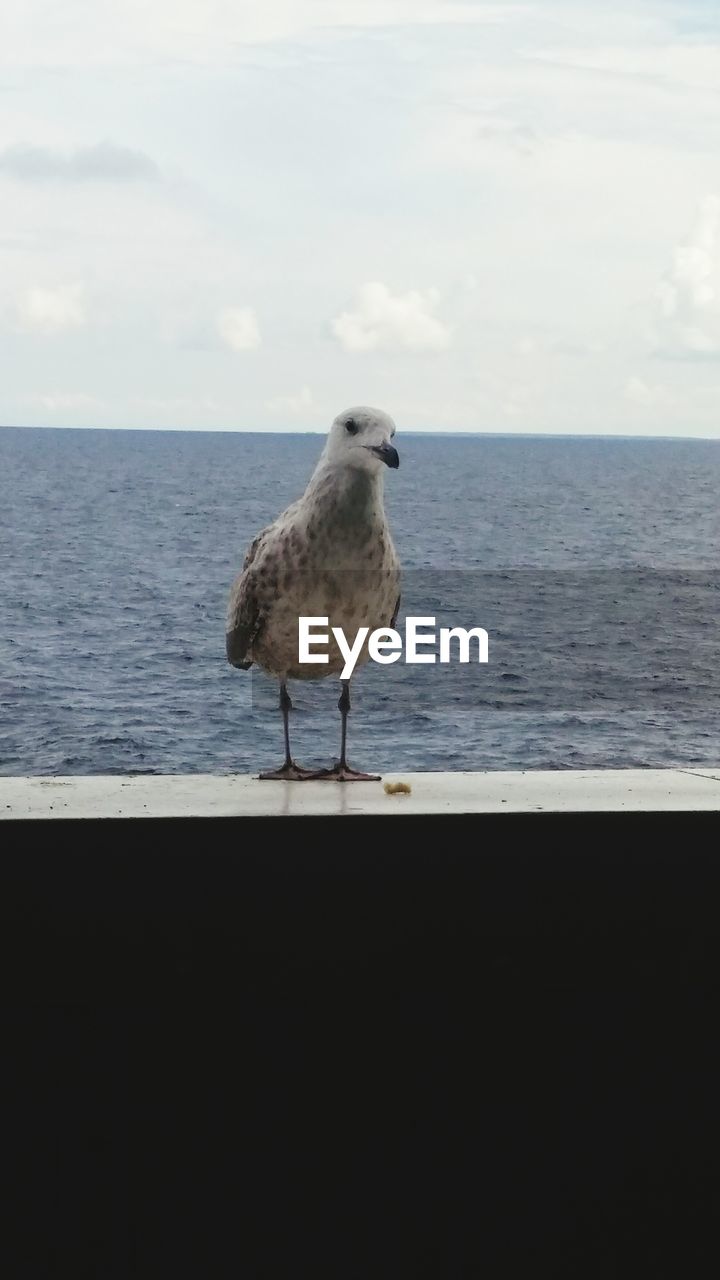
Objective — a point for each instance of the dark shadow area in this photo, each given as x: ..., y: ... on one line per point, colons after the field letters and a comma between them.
x: 421, y: 1048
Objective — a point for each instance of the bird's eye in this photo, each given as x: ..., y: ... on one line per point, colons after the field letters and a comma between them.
x: 351, y: 426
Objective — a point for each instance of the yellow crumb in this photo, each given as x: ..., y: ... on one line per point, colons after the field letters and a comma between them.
x: 397, y: 788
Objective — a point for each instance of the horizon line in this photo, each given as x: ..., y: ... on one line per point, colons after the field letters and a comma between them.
x: 435, y: 433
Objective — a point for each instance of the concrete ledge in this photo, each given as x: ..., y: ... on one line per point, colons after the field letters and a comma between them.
x: 242, y: 796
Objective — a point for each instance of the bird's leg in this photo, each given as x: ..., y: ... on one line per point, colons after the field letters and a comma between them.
x: 341, y: 772
x: 290, y: 772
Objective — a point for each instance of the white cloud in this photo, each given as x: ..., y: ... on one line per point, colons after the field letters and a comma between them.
x: 670, y: 65
x: 487, y: 127
x: 50, y: 311
x: 118, y: 32
x: 382, y: 321
x: 644, y: 394
x: 179, y: 404
x: 688, y: 296
x: 291, y: 404
x: 103, y: 162
x: 238, y: 328
x: 61, y: 401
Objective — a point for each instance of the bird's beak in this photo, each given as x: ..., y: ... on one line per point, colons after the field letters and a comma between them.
x: 386, y: 453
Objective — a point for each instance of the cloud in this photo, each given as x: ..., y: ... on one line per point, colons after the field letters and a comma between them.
x: 104, y: 162
x: 488, y: 127
x: 668, y: 64
x: 59, y: 401
x: 121, y: 32
x: 291, y: 404
x: 238, y: 328
x: 644, y: 394
x: 50, y: 311
x: 179, y: 404
x: 382, y: 321
x: 688, y: 296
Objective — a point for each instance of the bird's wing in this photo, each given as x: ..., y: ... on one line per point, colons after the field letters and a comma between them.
x: 396, y: 611
x: 243, y: 615
x: 242, y: 623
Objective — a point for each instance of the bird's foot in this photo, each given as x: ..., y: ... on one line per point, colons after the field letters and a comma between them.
x: 343, y: 773
x: 291, y: 772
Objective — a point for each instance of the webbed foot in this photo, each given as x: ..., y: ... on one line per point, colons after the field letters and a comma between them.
x: 343, y: 773
x: 289, y: 772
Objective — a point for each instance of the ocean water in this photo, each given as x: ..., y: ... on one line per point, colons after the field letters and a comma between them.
x: 592, y: 563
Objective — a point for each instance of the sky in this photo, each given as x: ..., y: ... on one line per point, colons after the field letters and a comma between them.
x: 219, y: 214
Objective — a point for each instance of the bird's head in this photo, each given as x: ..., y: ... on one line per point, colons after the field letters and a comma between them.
x: 362, y: 438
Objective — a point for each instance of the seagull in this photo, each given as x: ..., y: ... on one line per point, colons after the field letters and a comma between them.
x: 329, y: 555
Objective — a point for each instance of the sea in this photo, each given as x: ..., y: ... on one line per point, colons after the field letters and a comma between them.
x: 593, y: 564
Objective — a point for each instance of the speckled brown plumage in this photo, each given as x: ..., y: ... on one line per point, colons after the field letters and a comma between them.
x: 330, y: 555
